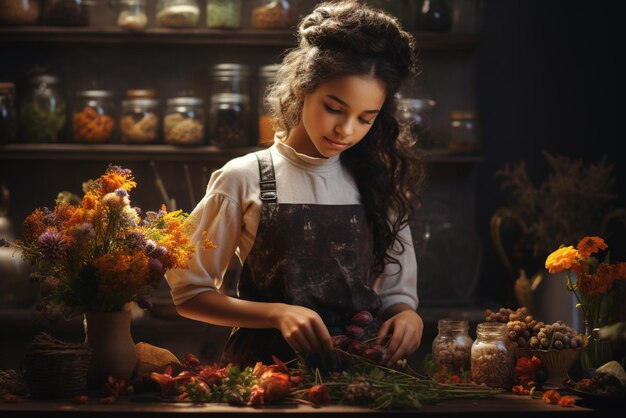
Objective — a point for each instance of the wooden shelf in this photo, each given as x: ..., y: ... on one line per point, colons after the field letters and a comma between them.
x: 99, y: 152
x: 199, y: 36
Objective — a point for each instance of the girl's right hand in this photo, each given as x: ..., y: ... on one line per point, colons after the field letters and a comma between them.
x: 302, y: 328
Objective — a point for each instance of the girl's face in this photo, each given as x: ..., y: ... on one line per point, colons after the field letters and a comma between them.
x: 337, y: 115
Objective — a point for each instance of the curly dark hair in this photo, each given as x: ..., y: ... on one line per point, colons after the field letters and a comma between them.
x: 342, y: 38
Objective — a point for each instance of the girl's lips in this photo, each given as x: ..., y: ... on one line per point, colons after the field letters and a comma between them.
x: 336, y: 145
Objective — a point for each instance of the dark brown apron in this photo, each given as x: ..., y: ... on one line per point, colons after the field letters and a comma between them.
x: 312, y: 255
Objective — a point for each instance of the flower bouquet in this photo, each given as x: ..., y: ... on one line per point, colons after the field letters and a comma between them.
x: 96, y: 254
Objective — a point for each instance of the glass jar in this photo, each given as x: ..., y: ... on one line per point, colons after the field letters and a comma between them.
x: 93, y: 120
x: 131, y: 15
x: 42, y: 112
x: 184, y: 120
x: 139, y: 122
x: 452, y: 347
x: 230, y: 78
x: 464, y: 131
x: 223, y: 14
x: 493, y: 356
x: 67, y: 12
x: 19, y: 12
x: 140, y: 94
x: 267, y: 76
x: 418, y: 114
x: 228, y: 120
x: 274, y: 14
x: 178, y: 13
x: 8, y: 125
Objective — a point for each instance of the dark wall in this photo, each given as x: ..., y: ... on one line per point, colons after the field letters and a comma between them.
x: 549, y: 78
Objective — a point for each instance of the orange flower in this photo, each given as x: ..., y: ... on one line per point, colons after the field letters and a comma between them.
x: 567, y: 401
x: 275, y: 385
x: 590, y: 245
x: 318, y: 394
x: 561, y: 259
x: 619, y: 271
x: 551, y: 396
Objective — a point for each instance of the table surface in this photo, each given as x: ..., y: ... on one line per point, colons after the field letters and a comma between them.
x: 503, y: 405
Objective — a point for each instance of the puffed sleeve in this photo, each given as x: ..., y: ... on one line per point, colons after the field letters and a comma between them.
x: 399, y: 285
x: 217, y: 218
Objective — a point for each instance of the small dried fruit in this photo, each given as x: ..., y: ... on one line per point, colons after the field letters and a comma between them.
x: 362, y: 318
x: 355, y: 331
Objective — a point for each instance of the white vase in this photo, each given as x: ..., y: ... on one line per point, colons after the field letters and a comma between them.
x: 553, y: 302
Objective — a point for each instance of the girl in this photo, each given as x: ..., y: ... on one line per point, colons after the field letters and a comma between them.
x: 319, y: 220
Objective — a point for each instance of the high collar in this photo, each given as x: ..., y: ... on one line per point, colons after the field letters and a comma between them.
x: 306, y: 161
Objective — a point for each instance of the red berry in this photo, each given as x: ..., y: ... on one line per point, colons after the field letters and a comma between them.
x: 362, y: 318
x: 355, y: 331
x: 356, y: 347
x: 340, y: 341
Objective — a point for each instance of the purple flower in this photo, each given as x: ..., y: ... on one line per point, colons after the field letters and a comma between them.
x: 155, y: 267
x: 136, y: 240
x: 145, y: 304
x: 150, y: 246
x: 137, y: 210
x: 83, y: 233
x: 121, y: 193
x: 52, y: 245
x: 159, y: 252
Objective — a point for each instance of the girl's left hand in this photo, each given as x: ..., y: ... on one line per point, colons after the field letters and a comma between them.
x: 407, y: 327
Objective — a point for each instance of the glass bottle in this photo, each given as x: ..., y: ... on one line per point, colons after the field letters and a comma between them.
x: 493, y: 356
x: 93, y: 119
x: 184, y: 121
x: 67, y: 12
x: 464, y: 131
x: 139, y: 123
x: 178, y: 13
x: 131, y: 15
x: 223, y: 14
x: 42, y: 112
x: 230, y: 78
x: 19, y: 12
x: 8, y: 125
x: 418, y: 114
x: 267, y: 76
x: 140, y: 94
x: 452, y: 347
x: 274, y: 14
x: 434, y: 16
x: 228, y: 120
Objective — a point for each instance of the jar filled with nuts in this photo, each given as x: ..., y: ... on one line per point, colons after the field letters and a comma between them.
x: 139, y: 123
x: 223, y: 14
x: 184, y: 120
x: 493, y: 356
x: 228, y: 120
x: 19, y: 12
x: 178, y: 13
x: 131, y: 15
x: 452, y: 347
x: 93, y: 120
x: 274, y: 14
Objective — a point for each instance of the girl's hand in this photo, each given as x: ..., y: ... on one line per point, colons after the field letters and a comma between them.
x: 302, y: 328
x: 407, y: 327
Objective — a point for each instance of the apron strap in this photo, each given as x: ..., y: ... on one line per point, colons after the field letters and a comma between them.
x: 266, y: 173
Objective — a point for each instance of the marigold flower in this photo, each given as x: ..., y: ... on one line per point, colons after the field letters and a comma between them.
x: 318, y: 394
x: 566, y: 401
x: 561, y: 259
x: 590, y: 245
x: 551, y: 396
x: 275, y: 384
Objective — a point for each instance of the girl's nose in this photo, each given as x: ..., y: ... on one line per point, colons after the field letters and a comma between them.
x: 345, y: 128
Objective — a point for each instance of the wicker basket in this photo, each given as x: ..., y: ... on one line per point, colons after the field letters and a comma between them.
x: 55, y: 369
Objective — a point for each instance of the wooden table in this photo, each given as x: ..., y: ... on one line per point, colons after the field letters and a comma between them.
x: 505, y: 406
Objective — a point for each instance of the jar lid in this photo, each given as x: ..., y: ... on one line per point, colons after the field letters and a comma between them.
x: 269, y: 71
x: 418, y: 104
x: 463, y: 114
x: 44, y: 78
x: 95, y: 94
x: 140, y: 103
x: 7, y: 87
x: 230, y: 98
x: 140, y: 93
x: 491, y: 327
x: 230, y: 69
x: 184, y: 101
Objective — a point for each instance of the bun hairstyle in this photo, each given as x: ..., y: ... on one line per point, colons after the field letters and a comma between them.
x: 341, y: 38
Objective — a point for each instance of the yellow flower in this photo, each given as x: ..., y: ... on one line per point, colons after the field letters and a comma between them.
x: 561, y: 259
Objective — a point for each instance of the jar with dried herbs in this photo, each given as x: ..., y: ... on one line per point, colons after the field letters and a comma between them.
x: 223, y: 14
x: 274, y: 14
x: 493, y: 356
x: 228, y: 120
x: 93, y: 120
x: 452, y: 347
x: 67, y: 12
x: 139, y: 123
x: 19, y: 12
x: 131, y: 15
x: 42, y: 112
x: 178, y: 13
x: 184, y: 120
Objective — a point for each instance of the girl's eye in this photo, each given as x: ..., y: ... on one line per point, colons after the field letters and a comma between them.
x: 365, y: 122
x: 331, y: 110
